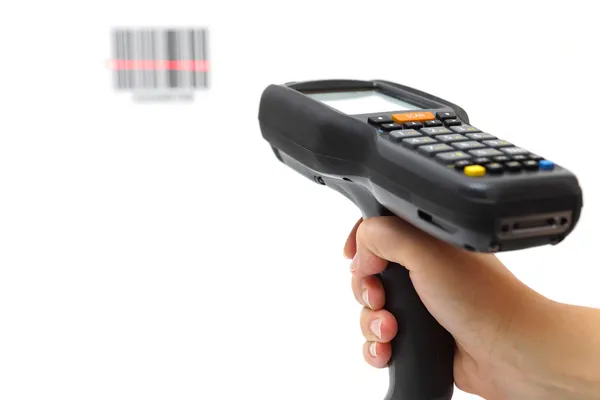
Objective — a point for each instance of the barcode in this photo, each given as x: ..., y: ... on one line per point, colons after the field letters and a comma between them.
x: 155, y: 59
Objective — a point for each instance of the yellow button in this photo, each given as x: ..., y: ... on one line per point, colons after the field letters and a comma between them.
x: 474, y: 170
x: 413, y: 117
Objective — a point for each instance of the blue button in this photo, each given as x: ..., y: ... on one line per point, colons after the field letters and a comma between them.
x: 546, y: 165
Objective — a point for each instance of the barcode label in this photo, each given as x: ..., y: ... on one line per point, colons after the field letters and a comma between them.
x: 157, y: 59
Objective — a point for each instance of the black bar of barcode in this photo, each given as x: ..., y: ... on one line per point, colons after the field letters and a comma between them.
x: 160, y: 59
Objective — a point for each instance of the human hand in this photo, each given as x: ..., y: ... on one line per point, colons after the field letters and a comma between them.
x: 511, y: 341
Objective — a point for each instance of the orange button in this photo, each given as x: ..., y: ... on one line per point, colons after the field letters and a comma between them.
x: 413, y: 117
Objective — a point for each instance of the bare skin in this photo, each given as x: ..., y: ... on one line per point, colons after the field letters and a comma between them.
x: 513, y: 343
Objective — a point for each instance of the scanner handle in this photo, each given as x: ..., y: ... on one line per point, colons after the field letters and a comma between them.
x: 422, y: 363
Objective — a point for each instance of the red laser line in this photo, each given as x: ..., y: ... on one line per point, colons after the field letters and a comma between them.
x: 182, y: 65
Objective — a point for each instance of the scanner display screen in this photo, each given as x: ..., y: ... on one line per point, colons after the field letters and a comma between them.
x: 362, y: 102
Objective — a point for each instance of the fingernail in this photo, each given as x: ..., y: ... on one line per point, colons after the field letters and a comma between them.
x: 373, y: 349
x: 353, y: 264
x: 376, y: 328
x: 365, y: 297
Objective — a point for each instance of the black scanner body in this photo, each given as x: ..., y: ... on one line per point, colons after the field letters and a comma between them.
x: 350, y: 155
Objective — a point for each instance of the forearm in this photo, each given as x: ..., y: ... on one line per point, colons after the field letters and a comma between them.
x: 575, y: 349
x: 557, y: 349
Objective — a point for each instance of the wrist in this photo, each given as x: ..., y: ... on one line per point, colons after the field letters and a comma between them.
x: 558, y: 349
x: 573, y: 350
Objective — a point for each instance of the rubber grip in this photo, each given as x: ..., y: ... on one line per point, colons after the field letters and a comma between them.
x: 422, y: 363
x: 421, y: 367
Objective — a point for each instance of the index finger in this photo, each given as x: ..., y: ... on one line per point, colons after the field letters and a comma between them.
x: 380, y: 240
x: 350, y: 246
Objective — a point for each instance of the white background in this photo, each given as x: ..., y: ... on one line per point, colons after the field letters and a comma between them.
x: 161, y: 252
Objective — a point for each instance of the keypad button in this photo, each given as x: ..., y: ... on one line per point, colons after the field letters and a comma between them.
x: 535, y: 157
x: 519, y: 157
x: 495, y: 168
x: 432, y: 124
x: 497, y: 143
x: 455, y: 137
x: 452, y: 156
x: 485, y: 152
x: 417, y: 116
x: 479, y: 136
x: 436, y: 131
x: 474, y: 170
x: 513, y: 166
x: 414, y: 142
x: 412, y: 125
x: 380, y: 119
x: 468, y: 145
x: 391, y: 127
x: 482, y: 160
x: 407, y: 133
x: 464, y: 129
x: 445, y: 115
x: 513, y: 151
x: 452, y: 122
x: 432, y: 149
x: 502, y: 158
x: 531, y: 165
x: 460, y: 165
x: 546, y: 165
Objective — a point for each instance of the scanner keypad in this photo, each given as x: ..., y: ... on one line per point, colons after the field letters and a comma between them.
x: 513, y: 151
x: 454, y: 137
x: 413, y: 143
x: 464, y: 129
x: 432, y: 149
x: 485, y: 152
x: 514, y: 166
x: 380, y: 119
x: 390, y: 126
x: 453, y: 156
x: 531, y: 165
x: 412, y: 125
x: 470, y: 145
x: 496, y: 143
x: 495, y: 168
x: 444, y: 115
x: 443, y: 137
x: 480, y: 136
x: 436, y: 131
x: 432, y: 124
x: 452, y: 122
x: 403, y: 134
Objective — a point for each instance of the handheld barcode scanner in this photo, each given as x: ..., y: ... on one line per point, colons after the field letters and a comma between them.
x: 394, y: 150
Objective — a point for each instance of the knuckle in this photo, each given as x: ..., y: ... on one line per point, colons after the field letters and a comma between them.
x: 361, y: 231
x: 365, y: 314
x: 365, y: 229
x: 365, y: 317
